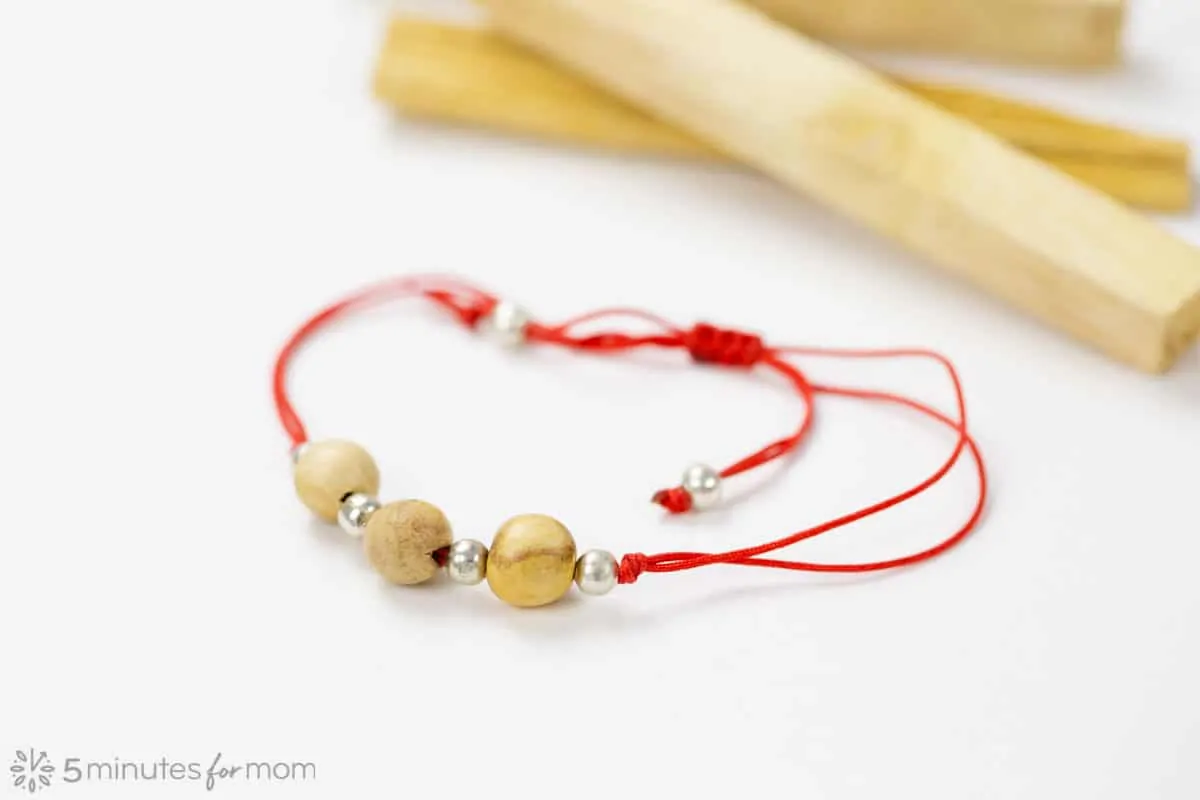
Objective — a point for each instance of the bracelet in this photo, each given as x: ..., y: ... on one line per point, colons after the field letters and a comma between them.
x: 532, y: 559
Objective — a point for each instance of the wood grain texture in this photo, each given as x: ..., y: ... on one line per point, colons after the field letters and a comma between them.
x: 475, y: 76
x: 829, y: 127
x: 329, y: 470
x: 531, y: 561
x: 400, y: 540
x: 1056, y: 32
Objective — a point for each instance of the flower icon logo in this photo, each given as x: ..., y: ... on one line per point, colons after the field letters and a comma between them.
x: 31, y: 770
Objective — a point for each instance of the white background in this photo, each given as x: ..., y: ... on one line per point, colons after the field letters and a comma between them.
x: 181, y: 183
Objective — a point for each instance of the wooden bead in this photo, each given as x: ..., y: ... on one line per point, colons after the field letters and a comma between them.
x: 531, y: 561
x: 328, y: 471
x: 401, y: 537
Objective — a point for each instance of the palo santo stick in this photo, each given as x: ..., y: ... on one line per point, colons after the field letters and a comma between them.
x: 1063, y: 32
x: 1046, y: 132
x: 475, y: 76
x: 829, y: 127
x: 1146, y: 187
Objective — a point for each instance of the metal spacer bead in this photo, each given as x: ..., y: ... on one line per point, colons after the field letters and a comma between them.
x: 703, y: 483
x: 596, y: 572
x: 356, y: 511
x: 506, y: 323
x: 466, y: 563
x: 298, y: 452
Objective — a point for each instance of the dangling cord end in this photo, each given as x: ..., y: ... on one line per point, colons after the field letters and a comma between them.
x: 676, y: 500
x: 700, y: 490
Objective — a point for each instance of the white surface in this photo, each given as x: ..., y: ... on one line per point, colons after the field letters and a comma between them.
x: 180, y: 184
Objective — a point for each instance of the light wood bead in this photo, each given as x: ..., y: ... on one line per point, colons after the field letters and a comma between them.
x: 401, y: 537
x: 328, y: 471
x: 531, y: 561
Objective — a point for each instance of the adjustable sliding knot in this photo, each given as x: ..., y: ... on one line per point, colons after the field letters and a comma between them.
x: 632, y: 566
x: 709, y: 344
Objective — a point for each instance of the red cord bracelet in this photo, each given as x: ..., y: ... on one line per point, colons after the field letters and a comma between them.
x: 532, y: 560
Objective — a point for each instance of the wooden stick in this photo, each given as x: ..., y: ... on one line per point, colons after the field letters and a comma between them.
x: 1047, y: 132
x: 829, y: 127
x: 474, y: 76
x: 1062, y: 32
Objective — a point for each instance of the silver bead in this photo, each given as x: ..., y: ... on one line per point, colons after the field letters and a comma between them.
x: 596, y: 572
x: 466, y: 563
x: 355, y: 512
x: 298, y: 452
x: 703, y: 483
x: 506, y: 323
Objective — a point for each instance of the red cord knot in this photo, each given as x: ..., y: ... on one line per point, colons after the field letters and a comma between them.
x: 709, y: 344
x: 677, y: 500
x: 471, y: 315
x: 632, y: 566
x: 469, y: 311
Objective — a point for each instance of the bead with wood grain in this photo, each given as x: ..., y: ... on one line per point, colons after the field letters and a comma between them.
x: 531, y: 561
x: 329, y: 471
x: 401, y: 539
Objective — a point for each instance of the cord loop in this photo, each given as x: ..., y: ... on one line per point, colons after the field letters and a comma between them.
x: 706, y: 344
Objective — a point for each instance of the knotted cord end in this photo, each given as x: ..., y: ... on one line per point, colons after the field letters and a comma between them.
x: 677, y: 500
x: 469, y: 311
x: 632, y: 566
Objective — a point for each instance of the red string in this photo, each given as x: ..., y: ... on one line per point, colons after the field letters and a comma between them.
x: 464, y: 301
x: 706, y: 344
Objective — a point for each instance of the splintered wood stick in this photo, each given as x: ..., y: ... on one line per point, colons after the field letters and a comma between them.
x: 829, y: 127
x: 475, y: 76
x: 1063, y: 32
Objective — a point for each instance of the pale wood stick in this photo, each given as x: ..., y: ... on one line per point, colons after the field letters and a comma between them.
x: 1062, y: 32
x: 1046, y: 132
x: 829, y: 127
x: 475, y: 76
x: 1146, y: 187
